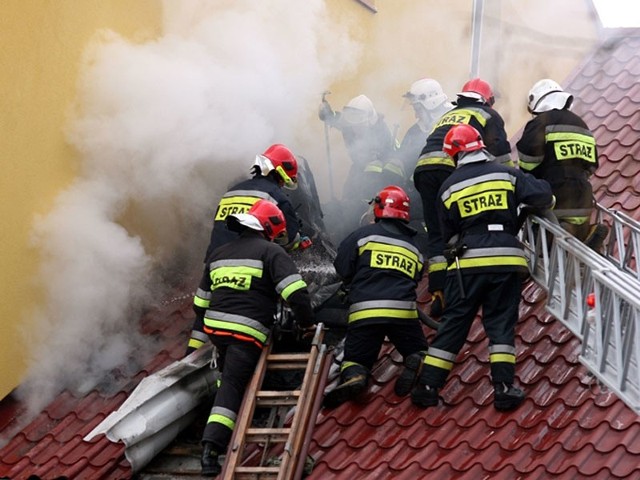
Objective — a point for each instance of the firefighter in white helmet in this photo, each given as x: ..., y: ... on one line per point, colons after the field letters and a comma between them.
x: 429, y: 103
x: 557, y: 145
x: 370, y: 145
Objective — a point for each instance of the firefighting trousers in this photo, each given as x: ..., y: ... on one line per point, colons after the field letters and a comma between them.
x: 574, y: 204
x: 428, y: 182
x: 499, y: 296
x: 363, y: 342
x: 237, y: 361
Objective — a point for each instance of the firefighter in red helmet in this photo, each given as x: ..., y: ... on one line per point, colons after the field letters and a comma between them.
x: 239, y: 291
x: 380, y: 266
x: 474, y: 106
x: 477, y: 206
x: 272, y: 170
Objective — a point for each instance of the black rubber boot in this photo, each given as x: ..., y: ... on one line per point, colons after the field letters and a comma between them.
x: 507, y: 397
x: 596, y: 237
x: 409, y: 375
x: 424, y: 396
x: 209, y: 461
x: 353, y: 381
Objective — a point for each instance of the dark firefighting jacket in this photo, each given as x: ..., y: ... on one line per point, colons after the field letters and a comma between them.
x: 239, y: 292
x: 241, y: 198
x: 482, y: 117
x: 381, y: 266
x: 557, y: 146
x: 478, y: 209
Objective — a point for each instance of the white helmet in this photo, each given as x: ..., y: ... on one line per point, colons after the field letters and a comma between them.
x: 427, y: 92
x: 360, y: 111
x: 546, y: 95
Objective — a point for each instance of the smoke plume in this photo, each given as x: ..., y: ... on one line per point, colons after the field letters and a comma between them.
x: 162, y: 127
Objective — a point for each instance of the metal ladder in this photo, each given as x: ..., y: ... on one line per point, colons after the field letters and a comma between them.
x: 291, y: 436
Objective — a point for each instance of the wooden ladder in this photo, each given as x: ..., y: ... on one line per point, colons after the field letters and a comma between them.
x: 293, y: 438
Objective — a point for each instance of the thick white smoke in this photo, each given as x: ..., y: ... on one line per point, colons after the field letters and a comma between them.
x: 162, y: 128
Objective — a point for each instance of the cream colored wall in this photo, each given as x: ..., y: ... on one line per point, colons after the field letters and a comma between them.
x: 41, y: 43
x: 523, y: 41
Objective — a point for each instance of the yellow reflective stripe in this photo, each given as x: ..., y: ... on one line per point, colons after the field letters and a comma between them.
x: 195, y: 343
x: 577, y: 137
x: 384, y: 247
x: 397, y: 169
x: 382, y: 312
x: 496, y: 261
x: 502, y: 357
x: 235, y: 277
x: 437, y: 267
x: 235, y: 327
x: 479, y: 188
x: 217, y: 418
x: 201, y: 302
x: 346, y: 365
x: 438, y: 362
x: 574, y: 220
x: 294, y: 287
x: 527, y: 165
x: 436, y: 161
x: 235, y: 204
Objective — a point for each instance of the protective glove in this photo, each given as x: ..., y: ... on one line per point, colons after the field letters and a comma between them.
x: 326, y: 113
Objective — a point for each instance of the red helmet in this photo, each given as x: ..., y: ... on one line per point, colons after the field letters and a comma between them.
x: 265, y: 217
x: 391, y: 202
x: 479, y: 89
x: 279, y: 158
x: 462, y: 138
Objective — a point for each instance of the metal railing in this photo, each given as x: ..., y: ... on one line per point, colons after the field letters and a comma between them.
x: 624, y: 239
x: 575, y: 276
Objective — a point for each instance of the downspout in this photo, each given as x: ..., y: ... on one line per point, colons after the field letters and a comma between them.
x: 476, y: 36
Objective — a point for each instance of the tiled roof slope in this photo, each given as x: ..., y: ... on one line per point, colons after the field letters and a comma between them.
x: 569, y: 426
x: 52, y: 446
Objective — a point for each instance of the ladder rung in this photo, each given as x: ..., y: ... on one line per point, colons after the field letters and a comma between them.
x: 276, y: 398
x: 287, y: 366
x: 256, y: 473
x: 267, y: 434
x: 288, y: 357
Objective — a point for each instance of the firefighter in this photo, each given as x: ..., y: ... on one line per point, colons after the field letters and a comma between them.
x: 238, y: 296
x: 380, y: 266
x: 557, y: 145
x: 477, y: 206
x: 429, y: 102
x: 474, y: 106
x: 370, y: 145
x: 276, y: 168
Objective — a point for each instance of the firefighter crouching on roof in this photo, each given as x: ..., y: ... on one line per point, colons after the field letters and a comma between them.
x: 477, y: 206
x: 276, y: 168
x: 474, y: 106
x: 238, y: 299
x: 380, y: 265
x: 557, y: 145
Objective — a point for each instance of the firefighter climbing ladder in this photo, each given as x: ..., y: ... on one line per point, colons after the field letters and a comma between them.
x: 295, y: 437
x: 570, y: 273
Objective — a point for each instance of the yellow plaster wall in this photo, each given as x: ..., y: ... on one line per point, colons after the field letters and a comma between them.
x: 41, y: 43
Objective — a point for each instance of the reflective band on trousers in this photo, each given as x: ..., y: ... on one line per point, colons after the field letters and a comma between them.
x: 382, y: 308
x: 439, y: 358
x: 224, y: 416
x: 502, y: 354
x: 236, y: 323
x: 491, y: 257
